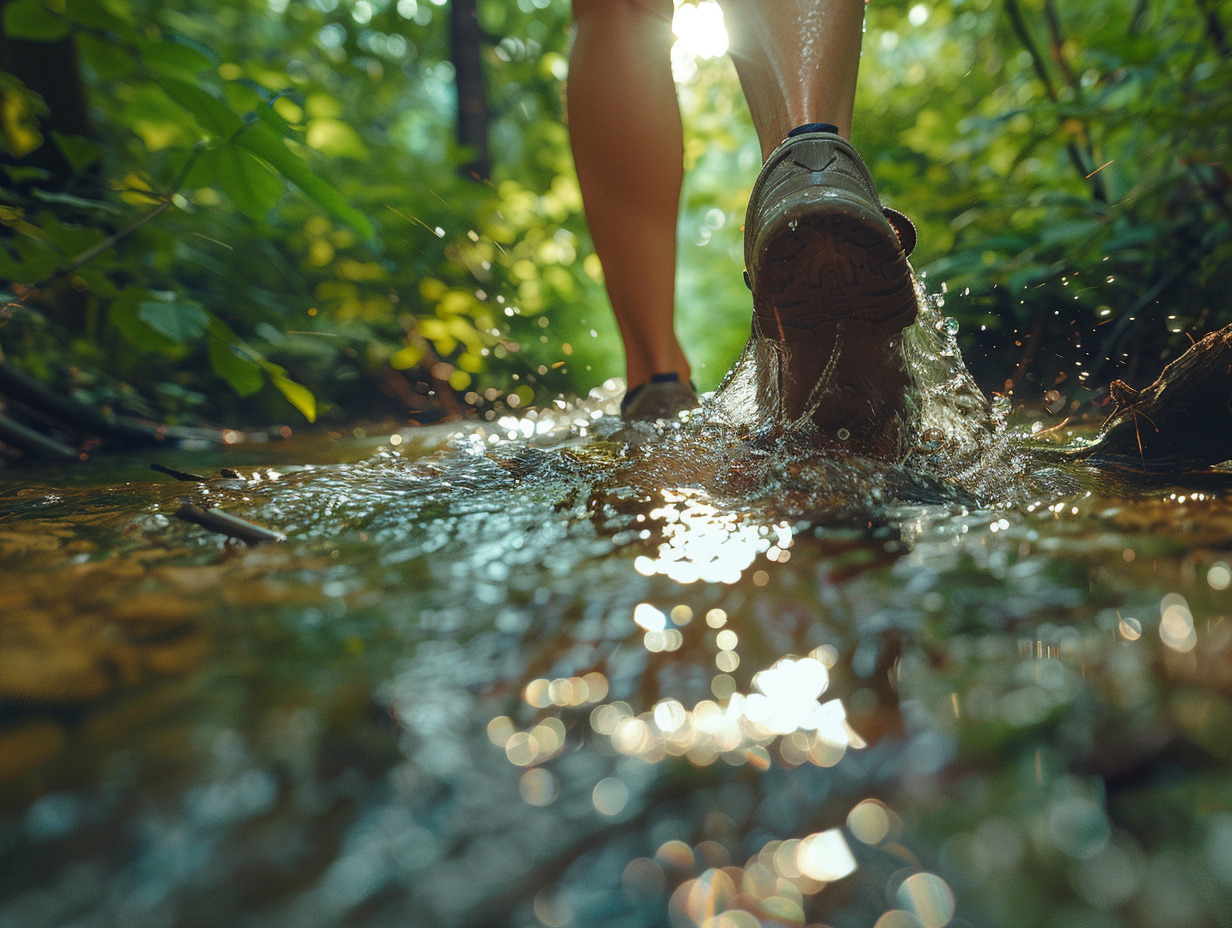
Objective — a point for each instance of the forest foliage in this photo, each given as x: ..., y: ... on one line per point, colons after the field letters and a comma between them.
x: 263, y: 202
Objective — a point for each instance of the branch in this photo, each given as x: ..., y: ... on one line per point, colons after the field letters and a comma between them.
x: 1136, y: 21
x: 1215, y: 30
x: 1084, y: 166
x: 1058, y: 44
x: 32, y: 442
x: 1014, y: 11
x: 224, y: 523
x: 105, y: 245
x: 47, y: 403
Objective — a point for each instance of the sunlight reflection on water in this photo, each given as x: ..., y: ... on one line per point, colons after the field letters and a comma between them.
x: 551, y: 671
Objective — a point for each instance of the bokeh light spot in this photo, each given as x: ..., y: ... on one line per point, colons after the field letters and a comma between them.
x: 897, y: 918
x: 825, y: 856
x: 869, y: 821
x: 1176, y: 624
x: 610, y: 796
x: 929, y: 898
x: 552, y: 907
x: 538, y: 787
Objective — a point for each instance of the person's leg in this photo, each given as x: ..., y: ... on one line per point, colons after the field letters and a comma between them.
x: 797, y: 61
x: 624, y: 126
x: 830, y: 280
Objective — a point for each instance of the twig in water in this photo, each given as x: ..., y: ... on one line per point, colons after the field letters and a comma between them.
x: 229, y: 525
x: 177, y: 474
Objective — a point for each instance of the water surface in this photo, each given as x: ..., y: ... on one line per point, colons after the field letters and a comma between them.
x: 543, y: 671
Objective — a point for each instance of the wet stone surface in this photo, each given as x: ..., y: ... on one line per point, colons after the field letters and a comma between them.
x: 535, y: 674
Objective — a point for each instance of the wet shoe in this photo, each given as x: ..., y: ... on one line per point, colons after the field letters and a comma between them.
x: 831, y: 285
x: 664, y: 397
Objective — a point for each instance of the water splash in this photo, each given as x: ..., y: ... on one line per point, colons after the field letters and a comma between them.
x: 949, y: 444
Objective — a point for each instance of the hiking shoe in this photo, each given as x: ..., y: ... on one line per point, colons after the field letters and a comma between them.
x: 831, y: 284
x: 664, y: 397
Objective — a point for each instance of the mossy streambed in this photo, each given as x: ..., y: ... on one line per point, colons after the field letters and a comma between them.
x: 521, y: 675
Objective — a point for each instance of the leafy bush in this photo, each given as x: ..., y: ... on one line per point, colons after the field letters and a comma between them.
x: 266, y: 205
x: 1068, y: 168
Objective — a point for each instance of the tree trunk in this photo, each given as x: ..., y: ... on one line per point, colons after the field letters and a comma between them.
x: 466, y: 42
x: 51, y: 70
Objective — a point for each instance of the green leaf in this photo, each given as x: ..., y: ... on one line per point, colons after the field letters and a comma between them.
x: 246, y: 180
x: 30, y: 175
x: 105, y: 60
x: 32, y: 21
x: 268, y: 115
x: 174, y: 59
x: 211, y: 114
x: 80, y: 152
x: 336, y: 139
x: 96, y: 15
x: 123, y: 315
x: 239, y: 365
x: 80, y: 203
x: 257, y: 138
x: 69, y: 238
x: 243, y: 375
x: 261, y: 140
x: 11, y: 269
x: 178, y: 319
x: 297, y: 395
x: 158, y: 120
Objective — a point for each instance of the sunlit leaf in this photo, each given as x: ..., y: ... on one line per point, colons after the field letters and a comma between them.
x: 335, y: 138
x: 406, y: 357
x: 19, y: 116
x: 279, y: 114
x: 214, y: 116
x: 261, y: 140
x: 158, y: 120
x: 174, y: 58
x: 248, y: 182
x: 297, y: 395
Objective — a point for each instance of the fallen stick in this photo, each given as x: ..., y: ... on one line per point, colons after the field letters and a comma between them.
x: 177, y: 474
x: 229, y: 525
x: 69, y: 412
x: 33, y: 442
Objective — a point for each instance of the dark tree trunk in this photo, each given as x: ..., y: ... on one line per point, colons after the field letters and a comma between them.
x: 466, y: 42
x: 51, y: 70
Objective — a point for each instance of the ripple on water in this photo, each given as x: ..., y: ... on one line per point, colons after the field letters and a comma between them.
x: 565, y: 670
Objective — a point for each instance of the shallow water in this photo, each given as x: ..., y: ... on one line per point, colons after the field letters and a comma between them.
x: 530, y: 673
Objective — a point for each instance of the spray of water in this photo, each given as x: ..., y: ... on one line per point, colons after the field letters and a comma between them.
x: 948, y: 443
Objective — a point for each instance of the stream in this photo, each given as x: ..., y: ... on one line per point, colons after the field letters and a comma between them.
x: 542, y: 672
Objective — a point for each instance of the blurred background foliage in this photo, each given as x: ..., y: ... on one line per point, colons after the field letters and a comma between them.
x: 209, y: 212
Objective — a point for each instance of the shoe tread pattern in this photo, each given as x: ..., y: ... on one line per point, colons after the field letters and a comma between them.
x: 833, y: 267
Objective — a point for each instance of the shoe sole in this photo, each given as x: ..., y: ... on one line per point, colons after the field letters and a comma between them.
x: 823, y: 262
x: 832, y: 262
